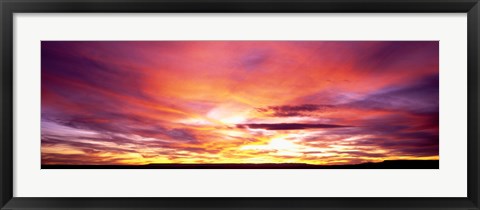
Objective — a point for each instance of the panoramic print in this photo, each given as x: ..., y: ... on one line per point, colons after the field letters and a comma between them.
x: 239, y: 104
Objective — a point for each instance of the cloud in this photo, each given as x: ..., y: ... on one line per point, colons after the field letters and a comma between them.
x: 295, y: 110
x: 420, y: 96
x: 288, y: 126
x: 397, y: 55
x: 180, y: 134
x: 254, y: 59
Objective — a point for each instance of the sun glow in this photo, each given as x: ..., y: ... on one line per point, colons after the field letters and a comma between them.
x: 282, y: 144
x: 276, y: 144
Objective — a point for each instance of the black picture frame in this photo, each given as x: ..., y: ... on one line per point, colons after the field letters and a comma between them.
x: 9, y: 7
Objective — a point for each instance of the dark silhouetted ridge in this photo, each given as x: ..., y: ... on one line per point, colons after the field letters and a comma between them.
x: 387, y: 164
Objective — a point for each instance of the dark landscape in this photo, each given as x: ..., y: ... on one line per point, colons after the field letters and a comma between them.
x: 388, y: 164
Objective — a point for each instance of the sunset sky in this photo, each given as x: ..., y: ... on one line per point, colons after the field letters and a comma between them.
x: 316, y: 102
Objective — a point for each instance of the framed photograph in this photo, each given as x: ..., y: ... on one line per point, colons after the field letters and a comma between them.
x: 259, y: 104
